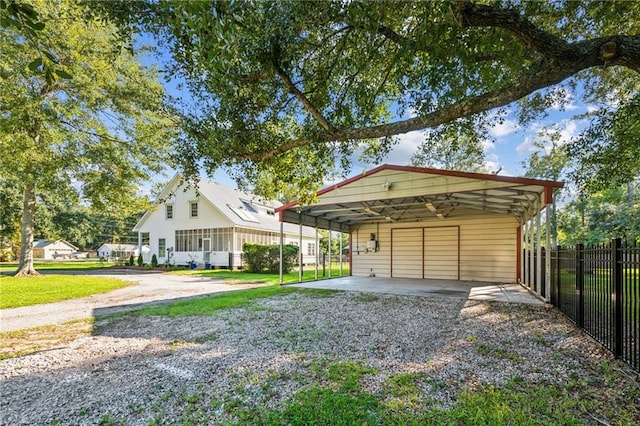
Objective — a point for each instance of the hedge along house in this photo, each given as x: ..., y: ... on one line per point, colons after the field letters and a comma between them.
x: 410, y: 222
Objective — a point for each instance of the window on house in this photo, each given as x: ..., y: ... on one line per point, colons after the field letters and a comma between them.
x: 311, y: 249
x: 162, y: 247
x: 168, y: 209
x: 194, y: 209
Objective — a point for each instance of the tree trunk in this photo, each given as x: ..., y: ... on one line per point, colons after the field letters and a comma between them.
x: 25, y: 267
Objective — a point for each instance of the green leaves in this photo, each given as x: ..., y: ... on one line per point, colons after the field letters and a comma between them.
x: 276, y: 82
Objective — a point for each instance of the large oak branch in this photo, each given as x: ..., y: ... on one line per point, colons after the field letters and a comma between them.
x: 588, y: 54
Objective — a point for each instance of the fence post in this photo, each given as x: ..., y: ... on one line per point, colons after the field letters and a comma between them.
x: 616, y: 276
x: 580, y: 283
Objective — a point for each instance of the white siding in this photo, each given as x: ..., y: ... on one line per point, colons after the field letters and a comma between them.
x: 158, y: 226
x: 488, y: 247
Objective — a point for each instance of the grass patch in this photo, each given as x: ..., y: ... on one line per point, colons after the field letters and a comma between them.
x: 323, y: 405
x: 243, y: 277
x: 31, y: 340
x: 27, y: 291
x: 205, y: 306
x: 69, y: 265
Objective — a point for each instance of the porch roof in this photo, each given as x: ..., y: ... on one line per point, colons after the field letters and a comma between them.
x: 392, y: 193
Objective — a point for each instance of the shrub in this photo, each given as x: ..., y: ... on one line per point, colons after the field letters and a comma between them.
x: 140, y: 261
x: 154, y: 261
x: 130, y: 263
x: 261, y: 258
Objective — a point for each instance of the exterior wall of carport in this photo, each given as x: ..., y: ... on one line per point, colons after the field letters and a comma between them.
x: 488, y: 247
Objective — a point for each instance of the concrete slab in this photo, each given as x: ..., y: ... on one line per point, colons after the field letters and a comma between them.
x: 472, y: 290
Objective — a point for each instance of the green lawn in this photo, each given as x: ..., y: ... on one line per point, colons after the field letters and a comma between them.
x: 241, y: 277
x: 80, y: 264
x: 209, y: 305
x: 26, y: 291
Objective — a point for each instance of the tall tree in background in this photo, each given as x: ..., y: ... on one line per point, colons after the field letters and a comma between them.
x: 450, y: 148
x: 294, y: 88
x: 84, y: 116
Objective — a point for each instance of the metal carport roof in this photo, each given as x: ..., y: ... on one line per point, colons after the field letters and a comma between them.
x: 391, y: 193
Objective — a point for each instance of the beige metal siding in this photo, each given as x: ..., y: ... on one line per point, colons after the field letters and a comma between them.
x: 441, y: 253
x: 488, y: 247
x: 404, y: 184
x: 406, y: 253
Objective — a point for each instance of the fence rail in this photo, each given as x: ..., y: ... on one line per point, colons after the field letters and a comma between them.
x: 598, y: 288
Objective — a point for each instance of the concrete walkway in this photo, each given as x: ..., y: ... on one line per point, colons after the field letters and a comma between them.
x: 151, y: 288
x: 472, y: 290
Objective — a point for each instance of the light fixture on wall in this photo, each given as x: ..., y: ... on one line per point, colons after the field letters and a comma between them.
x: 387, y: 185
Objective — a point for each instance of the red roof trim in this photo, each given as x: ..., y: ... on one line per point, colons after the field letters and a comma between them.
x: 470, y: 175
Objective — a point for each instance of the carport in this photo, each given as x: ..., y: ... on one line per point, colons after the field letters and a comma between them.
x: 429, y: 224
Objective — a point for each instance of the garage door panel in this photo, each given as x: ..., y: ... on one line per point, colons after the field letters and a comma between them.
x: 406, y: 256
x: 441, y: 257
x: 425, y: 253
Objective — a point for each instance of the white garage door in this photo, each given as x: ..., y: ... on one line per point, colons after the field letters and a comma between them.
x: 425, y: 253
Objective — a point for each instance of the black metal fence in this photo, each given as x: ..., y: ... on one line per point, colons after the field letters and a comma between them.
x: 598, y: 288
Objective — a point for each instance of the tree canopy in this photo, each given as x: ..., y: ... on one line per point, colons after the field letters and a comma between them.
x: 84, y: 118
x: 294, y: 88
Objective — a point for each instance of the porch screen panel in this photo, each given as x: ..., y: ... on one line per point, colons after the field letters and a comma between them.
x: 406, y: 256
x: 441, y: 254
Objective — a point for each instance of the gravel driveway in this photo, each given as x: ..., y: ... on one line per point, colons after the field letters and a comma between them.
x: 195, y: 370
x: 152, y: 288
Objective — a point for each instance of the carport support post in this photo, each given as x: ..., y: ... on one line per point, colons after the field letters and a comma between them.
x: 527, y: 254
x: 329, y: 249
x: 340, y: 236
x: 281, y: 249
x: 538, y: 254
x: 300, y: 255
x: 530, y: 277
x: 317, y: 251
x: 525, y: 260
x: 140, y: 243
x: 548, y: 251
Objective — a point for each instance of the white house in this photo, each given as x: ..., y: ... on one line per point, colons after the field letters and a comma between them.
x: 49, y: 250
x: 122, y: 251
x: 210, y: 223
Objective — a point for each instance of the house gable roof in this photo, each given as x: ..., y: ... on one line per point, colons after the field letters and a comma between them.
x: 240, y: 208
x: 47, y: 243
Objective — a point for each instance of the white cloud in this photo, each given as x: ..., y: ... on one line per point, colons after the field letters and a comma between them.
x: 503, y: 128
x: 540, y: 138
x: 407, y: 145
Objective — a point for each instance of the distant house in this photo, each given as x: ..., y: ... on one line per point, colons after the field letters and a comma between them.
x: 49, y: 250
x: 121, y: 251
x: 210, y: 223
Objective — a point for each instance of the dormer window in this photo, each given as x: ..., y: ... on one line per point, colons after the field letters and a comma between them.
x: 168, y: 211
x: 193, y: 209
